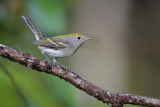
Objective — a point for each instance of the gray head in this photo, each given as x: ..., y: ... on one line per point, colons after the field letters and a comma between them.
x: 76, y: 38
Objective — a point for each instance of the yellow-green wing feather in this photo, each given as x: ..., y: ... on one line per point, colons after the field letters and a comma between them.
x: 54, y: 42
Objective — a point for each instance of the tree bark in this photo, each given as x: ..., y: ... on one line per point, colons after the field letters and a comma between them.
x: 113, y: 99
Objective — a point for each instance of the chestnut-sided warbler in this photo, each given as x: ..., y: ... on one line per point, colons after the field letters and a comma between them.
x: 57, y: 46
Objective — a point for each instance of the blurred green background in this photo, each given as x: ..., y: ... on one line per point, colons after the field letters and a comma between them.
x: 123, y: 57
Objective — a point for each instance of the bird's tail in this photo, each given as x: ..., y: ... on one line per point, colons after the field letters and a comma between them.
x: 33, y: 27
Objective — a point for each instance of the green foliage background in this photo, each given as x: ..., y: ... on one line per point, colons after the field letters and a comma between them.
x: 39, y: 89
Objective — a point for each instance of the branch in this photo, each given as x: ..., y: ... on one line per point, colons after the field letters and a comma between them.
x: 113, y: 99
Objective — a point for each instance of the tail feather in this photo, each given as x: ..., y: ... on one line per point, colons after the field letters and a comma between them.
x: 33, y: 27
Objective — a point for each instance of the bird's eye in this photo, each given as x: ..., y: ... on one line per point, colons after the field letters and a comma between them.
x: 78, y: 37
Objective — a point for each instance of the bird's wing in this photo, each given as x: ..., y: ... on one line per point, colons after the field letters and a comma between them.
x: 55, y: 43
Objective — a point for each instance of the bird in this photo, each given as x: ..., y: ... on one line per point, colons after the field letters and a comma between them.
x: 56, y: 46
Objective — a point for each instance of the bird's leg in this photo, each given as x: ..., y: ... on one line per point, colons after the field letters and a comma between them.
x: 54, y: 60
x: 47, y: 58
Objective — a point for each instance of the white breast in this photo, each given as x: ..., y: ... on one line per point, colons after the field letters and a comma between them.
x: 55, y: 53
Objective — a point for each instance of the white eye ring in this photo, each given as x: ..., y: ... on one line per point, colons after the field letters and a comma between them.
x: 78, y: 37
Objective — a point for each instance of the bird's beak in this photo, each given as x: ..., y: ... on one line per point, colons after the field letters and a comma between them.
x: 88, y: 38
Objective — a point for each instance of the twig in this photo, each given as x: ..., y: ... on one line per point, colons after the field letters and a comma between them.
x: 15, y: 85
x: 114, y: 99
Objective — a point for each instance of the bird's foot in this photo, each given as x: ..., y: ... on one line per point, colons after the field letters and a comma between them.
x: 55, y: 62
x: 62, y: 66
x: 50, y: 63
